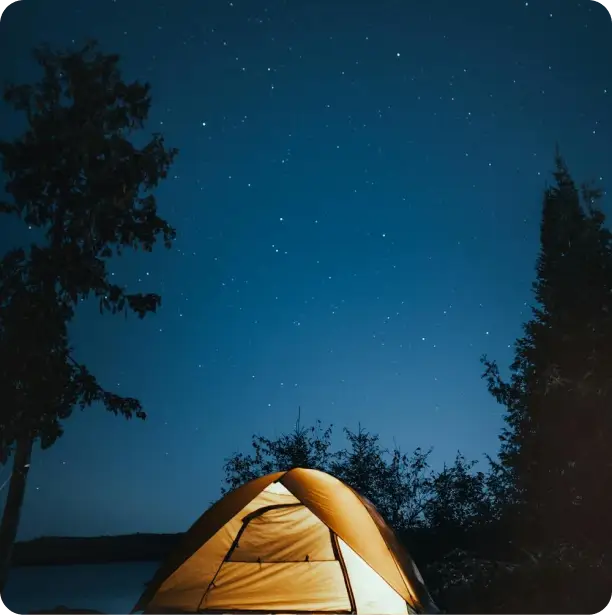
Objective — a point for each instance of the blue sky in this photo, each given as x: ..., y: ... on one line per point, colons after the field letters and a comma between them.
x: 357, y: 200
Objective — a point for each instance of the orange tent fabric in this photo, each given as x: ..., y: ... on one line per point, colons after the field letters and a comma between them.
x: 291, y: 542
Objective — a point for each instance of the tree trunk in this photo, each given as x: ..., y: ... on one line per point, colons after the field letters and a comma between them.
x: 12, y: 508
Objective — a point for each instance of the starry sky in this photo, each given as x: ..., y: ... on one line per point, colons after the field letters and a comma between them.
x: 357, y: 200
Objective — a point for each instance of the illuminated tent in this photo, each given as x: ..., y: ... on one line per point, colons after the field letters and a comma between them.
x: 291, y: 542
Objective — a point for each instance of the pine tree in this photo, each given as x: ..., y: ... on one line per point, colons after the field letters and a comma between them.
x: 555, y: 446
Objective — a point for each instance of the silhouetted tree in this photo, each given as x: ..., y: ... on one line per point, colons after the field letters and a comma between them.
x: 305, y: 447
x: 526, y: 583
x: 460, y: 522
x: 362, y: 465
x: 75, y: 175
x: 405, y: 488
x: 394, y: 482
x: 434, y: 513
x: 555, y: 446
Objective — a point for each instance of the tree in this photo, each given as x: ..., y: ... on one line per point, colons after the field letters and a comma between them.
x: 434, y: 513
x: 396, y: 486
x: 555, y: 446
x: 460, y: 531
x: 76, y: 176
x: 305, y: 447
x: 459, y: 497
x: 395, y: 482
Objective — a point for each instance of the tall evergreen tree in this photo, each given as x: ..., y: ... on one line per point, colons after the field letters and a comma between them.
x: 75, y: 175
x: 555, y: 446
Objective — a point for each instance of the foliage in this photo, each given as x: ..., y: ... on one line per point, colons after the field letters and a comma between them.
x: 75, y: 175
x: 459, y: 497
x: 396, y: 483
x: 304, y: 447
x: 464, y: 519
x: 460, y: 538
x: 425, y: 508
x: 561, y: 580
x: 558, y: 399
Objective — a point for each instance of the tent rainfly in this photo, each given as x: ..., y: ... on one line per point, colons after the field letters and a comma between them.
x: 290, y: 542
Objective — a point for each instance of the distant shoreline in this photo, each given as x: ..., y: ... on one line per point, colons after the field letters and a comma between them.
x: 64, y: 551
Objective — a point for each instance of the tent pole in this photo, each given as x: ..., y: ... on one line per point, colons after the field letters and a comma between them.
x: 347, y: 582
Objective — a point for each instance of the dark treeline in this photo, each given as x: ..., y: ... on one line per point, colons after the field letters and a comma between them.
x: 437, y: 514
x: 528, y: 532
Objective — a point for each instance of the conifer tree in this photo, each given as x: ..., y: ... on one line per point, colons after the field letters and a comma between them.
x: 555, y: 446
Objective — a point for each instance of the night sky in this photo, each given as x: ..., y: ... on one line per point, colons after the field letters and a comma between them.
x: 357, y: 200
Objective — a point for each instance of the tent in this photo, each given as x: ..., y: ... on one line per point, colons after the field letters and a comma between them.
x: 299, y: 541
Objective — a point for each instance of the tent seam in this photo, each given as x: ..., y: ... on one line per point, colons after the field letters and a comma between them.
x: 342, y: 563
